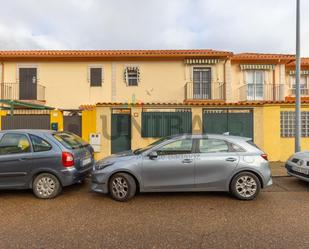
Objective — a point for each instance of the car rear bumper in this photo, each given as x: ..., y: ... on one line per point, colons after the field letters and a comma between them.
x: 72, y: 175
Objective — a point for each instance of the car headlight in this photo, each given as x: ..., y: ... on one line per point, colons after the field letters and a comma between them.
x: 300, y: 162
x: 102, y: 165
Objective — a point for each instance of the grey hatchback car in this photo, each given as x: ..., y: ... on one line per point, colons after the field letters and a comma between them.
x: 43, y: 160
x: 185, y: 163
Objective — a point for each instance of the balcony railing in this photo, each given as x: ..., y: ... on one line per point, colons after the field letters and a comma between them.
x: 303, y: 91
x: 15, y: 91
x: 213, y: 91
x: 262, y: 92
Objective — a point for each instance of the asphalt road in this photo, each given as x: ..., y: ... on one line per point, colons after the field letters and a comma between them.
x: 279, y: 218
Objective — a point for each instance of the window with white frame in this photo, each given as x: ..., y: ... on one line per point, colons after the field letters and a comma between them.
x: 95, y: 76
x: 255, y: 84
x: 132, y: 76
x: 287, y: 124
x: 303, y: 83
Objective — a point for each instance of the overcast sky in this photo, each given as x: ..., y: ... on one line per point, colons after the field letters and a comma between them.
x: 234, y: 25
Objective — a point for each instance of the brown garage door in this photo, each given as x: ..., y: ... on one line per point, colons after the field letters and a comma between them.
x: 25, y: 122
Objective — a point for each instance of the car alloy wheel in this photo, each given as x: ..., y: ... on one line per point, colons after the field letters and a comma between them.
x: 120, y: 187
x: 46, y: 186
x: 246, y: 186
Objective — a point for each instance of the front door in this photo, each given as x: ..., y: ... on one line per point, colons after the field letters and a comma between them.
x: 121, y: 132
x: 15, y: 160
x: 214, y: 163
x: 27, y: 83
x: 201, y: 83
x: 172, y: 170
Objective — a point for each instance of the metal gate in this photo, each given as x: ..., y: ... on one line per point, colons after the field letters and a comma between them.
x: 121, y: 132
x: 73, y: 124
x: 238, y: 122
x: 25, y: 122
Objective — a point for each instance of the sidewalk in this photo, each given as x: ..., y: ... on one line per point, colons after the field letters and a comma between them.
x: 278, y: 169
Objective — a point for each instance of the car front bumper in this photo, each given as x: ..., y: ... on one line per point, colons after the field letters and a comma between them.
x: 298, y: 175
x: 99, y: 182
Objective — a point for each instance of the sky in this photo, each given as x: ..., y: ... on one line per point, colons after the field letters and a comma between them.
x: 232, y: 25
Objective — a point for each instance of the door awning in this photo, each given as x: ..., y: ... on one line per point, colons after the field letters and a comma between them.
x: 303, y: 72
x: 257, y: 67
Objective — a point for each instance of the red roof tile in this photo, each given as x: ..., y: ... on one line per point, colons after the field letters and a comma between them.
x: 262, y: 56
x: 215, y: 104
x: 113, y: 53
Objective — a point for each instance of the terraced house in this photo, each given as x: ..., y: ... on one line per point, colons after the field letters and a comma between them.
x: 126, y: 99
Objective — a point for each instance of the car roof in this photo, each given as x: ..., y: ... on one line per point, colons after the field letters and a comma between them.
x: 208, y: 135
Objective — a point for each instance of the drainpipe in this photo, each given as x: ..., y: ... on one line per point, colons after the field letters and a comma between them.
x: 224, y: 78
x: 2, y: 80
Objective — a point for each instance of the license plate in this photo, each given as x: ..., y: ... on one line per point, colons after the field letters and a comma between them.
x: 301, y: 170
x: 86, y: 161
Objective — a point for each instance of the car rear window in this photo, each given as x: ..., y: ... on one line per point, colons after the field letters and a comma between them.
x: 69, y: 140
x: 253, y: 144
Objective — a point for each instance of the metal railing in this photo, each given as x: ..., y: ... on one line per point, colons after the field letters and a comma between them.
x: 14, y: 91
x: 262, y: 92
x: 303, y: 91
x: 196, y: 91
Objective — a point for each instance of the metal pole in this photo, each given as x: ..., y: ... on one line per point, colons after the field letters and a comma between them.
x: 297, y: 78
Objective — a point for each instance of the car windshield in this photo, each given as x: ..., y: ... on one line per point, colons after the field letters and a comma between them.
x: 69, y: 140
x: 141, y: 150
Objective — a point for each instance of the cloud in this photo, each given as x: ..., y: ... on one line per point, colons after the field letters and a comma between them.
x: 236, y: 25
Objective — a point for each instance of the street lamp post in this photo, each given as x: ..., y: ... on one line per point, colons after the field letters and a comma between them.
x: 297, y: 79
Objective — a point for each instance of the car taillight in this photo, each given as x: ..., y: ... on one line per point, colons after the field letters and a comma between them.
x: 265, y: 156
x: 67, y: 159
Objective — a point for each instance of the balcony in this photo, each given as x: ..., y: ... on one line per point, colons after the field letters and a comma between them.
x: 16, y: 91
x: 213, y: 91
x: 261, y: 92
x: 303, y: 91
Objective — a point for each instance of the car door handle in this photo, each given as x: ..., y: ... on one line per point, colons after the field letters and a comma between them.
x: 187, y: 160
x: 22, y: 159
x: 230, y: 159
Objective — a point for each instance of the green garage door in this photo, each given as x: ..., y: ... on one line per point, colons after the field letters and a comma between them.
x: 161, y: 124
x: 238, y: 122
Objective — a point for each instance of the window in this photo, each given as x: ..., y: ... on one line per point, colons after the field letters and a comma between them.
x: 132, y: 76
x: 287, y: 124
x: 69, y: 140
x: 213, y: 146
x: 39, y: 144
x: 255, y: 82
x: 96, y: 76
x: 236, y: 148
x: 14, y: 144
x: 183, y: 146
x: 303, y: 84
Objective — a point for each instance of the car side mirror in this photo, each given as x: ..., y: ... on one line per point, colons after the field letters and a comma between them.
x: 153, y: 155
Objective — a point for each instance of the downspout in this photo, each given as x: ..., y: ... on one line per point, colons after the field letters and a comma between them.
x: 2, y: 80
x: 224, y: 79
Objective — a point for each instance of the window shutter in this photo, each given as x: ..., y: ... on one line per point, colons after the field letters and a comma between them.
x: 95, y: 76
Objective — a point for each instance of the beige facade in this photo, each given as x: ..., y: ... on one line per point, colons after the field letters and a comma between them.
x: 164, y: 77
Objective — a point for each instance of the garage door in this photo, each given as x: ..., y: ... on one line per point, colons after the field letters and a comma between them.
x: 25, y: 122
x: 238, y: 122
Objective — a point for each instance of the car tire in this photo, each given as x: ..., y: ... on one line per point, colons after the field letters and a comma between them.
x: 245, y: 186
x: 122, y: 187
x: 46, y: 186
